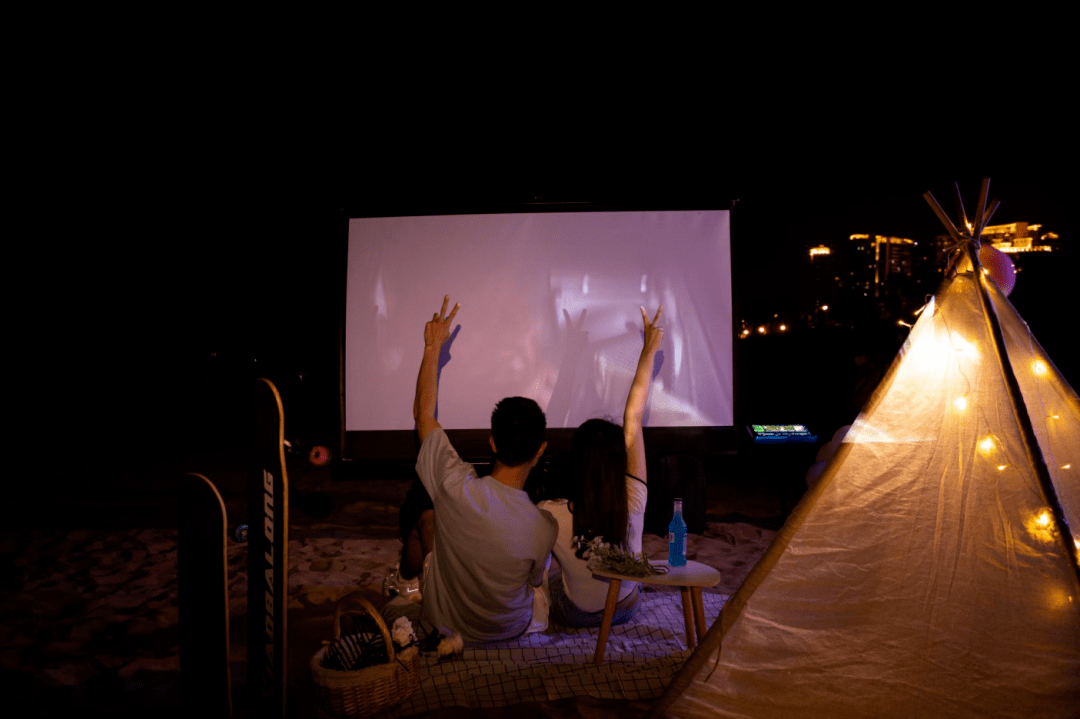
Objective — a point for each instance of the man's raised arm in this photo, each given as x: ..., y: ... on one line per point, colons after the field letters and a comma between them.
x: 436, y: 332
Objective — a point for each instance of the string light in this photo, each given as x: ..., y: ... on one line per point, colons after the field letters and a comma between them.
x: 1039, y: 368
x: 1040, y: 525
x: 960, y: 403
x: 987, y: 445
x: 964, y: 347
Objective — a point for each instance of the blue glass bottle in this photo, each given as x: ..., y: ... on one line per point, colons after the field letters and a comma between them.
x: 676, y: 538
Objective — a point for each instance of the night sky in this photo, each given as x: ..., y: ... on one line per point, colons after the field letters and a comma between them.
x: 241, y: 252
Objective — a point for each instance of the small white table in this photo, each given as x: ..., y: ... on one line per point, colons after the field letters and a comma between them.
x: 689, y: 579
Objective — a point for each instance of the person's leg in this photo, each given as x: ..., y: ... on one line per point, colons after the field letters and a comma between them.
x: 625, y: 610
x: 418, y: 545
x: 564, y: 612
x: 416, y: 523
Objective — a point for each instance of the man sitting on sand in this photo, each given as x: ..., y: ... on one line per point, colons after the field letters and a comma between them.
x: 491, y: 543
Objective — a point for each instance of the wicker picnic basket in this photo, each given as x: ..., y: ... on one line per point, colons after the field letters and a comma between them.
x: 363, y: 692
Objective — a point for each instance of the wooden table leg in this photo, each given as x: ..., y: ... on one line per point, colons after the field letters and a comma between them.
x: 699, y: 611
x: 605, y: 622
x: 687, y: 604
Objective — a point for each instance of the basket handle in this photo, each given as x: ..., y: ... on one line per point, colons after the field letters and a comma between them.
x: 358, y: 598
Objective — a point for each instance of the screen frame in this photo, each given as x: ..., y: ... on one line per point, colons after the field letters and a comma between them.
x: 391, y: 446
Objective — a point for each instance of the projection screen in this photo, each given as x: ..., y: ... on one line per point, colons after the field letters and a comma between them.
x: 549, y: 310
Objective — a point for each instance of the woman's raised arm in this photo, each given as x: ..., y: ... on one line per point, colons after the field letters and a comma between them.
x: 639, y: 392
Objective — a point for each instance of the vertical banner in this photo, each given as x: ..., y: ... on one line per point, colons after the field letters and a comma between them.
x: 268, y: 554
x: 203, y: 579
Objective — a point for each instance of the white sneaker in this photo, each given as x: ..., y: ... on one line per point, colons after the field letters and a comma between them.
x: 395, y: 585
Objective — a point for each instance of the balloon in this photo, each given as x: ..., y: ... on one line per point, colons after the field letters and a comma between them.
x: 1000, y: 268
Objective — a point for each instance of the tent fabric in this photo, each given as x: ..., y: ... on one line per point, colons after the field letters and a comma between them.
x: 923, y: 574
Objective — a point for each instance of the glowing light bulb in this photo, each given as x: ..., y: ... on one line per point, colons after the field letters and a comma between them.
x: 961, y: 345
x: 783, y: 327
x: 1039, y: 368
x: 987, y: 445
x: 761, y: 329
x: 1040, y: 525
x: 960, y: 403
x: 1066, y: 466
x: 1002, y: 466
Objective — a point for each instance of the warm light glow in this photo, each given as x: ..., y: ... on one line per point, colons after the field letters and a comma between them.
x: 1002, y: 467
x: 1057, y: 598
x: 1066, y: 466
x: 987, y: 445
x: 1039, y: 368
x: 761, y: 329
x: 1040, y: 525
x: 821, y: 250
x: 960, y: 403
x: 783, y: 327
x: 964, y: 347
x: 860, y: 237
x: 971, y: 227
x: 901, y: 323
x: 824, y: 307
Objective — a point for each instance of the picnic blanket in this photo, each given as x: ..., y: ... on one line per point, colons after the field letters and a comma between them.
x: 641, y: 657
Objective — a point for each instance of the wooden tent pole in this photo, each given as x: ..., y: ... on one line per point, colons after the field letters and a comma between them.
x: 1016, y: 398
x: 980, y: 210
x: 961, y: 215
x: 955, y: 233
x: 989, y: 213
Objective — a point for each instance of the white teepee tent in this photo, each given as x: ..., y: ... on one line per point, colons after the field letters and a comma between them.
x: 931, y: 571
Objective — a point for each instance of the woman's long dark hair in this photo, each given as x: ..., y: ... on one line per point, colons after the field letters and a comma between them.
x: 598, y: 481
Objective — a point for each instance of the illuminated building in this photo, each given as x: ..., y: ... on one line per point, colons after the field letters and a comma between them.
x: 1020, y: 237
x: 1012, y: 238
x: 876, y: 258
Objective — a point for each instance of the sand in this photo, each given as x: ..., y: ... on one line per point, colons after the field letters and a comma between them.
x: 89, y: 615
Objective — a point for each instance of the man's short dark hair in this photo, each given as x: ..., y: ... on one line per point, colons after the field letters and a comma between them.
x: 518, y: 427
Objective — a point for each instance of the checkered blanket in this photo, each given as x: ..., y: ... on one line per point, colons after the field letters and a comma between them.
x: 640, y: 659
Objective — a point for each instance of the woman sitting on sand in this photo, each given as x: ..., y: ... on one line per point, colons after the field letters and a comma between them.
x: 609, y: 496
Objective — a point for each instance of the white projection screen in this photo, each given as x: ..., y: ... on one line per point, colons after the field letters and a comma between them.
x: 549, y: 310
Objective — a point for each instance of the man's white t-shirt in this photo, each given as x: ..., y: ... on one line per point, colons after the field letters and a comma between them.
x: 587, y: 593
x: 491, y: 545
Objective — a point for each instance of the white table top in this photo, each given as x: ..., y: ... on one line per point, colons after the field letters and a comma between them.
x: 694, y: 574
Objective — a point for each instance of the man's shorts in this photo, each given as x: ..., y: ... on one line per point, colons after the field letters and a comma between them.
x: 417, y: 501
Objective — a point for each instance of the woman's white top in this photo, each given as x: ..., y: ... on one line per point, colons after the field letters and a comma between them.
x: 587, y: 593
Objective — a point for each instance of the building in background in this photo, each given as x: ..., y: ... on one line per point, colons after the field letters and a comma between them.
x: 1014, y: 238
x: 1021, y: 237
x: 879, y: 258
